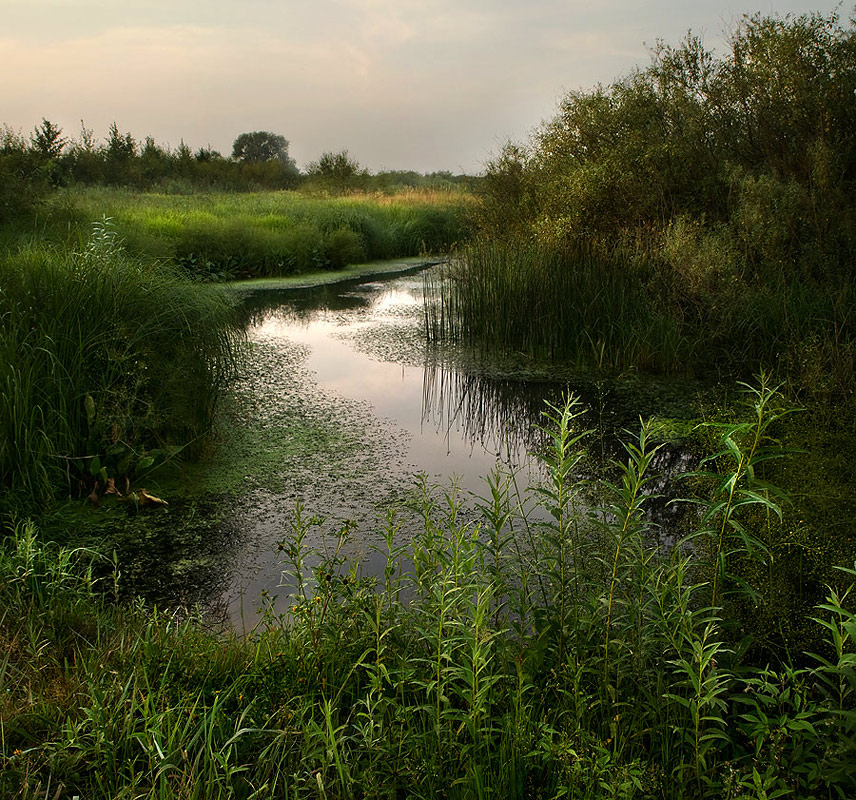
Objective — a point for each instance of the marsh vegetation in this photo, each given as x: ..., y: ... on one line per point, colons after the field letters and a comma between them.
x: 576, y: 657
x: 693, y: 218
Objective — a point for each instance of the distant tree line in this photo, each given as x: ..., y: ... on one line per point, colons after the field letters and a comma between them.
x: 31, y: 165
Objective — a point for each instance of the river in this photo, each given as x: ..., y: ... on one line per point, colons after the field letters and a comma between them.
x: 341, y: 401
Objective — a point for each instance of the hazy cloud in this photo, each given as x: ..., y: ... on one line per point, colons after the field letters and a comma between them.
x: 423, y: 84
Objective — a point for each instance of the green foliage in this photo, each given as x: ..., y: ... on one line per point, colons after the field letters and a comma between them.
x: 558, y: 654
x: 731, y: 179
x: 337, y: 172
x: 106, y: 365
x: 25, y: 177
x: 48, y: 140
x: 260, y: 146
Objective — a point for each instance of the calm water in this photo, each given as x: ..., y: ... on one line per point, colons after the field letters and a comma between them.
x: 354, y: 358
x: 341, y: 402
x: 359, y: 362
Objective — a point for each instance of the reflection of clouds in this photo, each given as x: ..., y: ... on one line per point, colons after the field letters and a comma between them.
x: 394, y: 298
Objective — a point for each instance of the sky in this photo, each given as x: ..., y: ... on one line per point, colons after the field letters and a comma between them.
x: 401, y: 84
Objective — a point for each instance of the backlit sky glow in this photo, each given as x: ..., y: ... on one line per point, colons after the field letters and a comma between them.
x: 402, y: 84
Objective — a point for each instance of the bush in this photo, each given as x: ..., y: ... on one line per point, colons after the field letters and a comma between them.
x: 344, y: 247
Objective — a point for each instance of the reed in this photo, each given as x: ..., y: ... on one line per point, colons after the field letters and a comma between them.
x: 106, y: 364
x: 569, y: 304
x: 612, y: 307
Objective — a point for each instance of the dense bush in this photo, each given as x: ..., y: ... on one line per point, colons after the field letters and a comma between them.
x: 724, y: 184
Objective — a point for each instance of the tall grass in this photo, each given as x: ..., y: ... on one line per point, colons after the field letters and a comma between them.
x: 105, y: 364
x: 616, y: 307
x: 570, y: 304
x: 218, y: 236
x: 576, y: 657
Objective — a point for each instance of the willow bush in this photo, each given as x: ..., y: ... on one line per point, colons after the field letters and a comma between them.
x: 718, y: 185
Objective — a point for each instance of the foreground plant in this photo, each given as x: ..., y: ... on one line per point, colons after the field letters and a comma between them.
x: 561, y: 653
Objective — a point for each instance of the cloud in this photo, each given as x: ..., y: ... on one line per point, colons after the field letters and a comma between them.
x: 424, y: 84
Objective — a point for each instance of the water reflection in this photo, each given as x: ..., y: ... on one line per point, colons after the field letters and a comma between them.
x: 399, y: 406
x: 499, y: 415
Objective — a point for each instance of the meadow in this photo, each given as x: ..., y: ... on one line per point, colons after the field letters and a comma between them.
x: 695, y: 217
x: 221, y: 236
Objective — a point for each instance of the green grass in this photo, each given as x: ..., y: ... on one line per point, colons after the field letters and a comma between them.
x: 107, y: 365
x: 217, y: 236
x: 512, y: 658
x: 613, y: 308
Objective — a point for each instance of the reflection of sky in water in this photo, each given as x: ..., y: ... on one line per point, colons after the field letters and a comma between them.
x: 424, y: 417
x: 401, y: 403
x: 396, y: 392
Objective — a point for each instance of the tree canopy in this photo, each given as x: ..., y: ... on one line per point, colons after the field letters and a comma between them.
x: 260, y: 146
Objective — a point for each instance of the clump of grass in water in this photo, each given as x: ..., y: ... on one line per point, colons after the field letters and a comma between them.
x: 464, y: 676
x: 557, y: 303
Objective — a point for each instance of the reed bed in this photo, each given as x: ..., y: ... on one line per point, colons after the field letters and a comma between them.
x: 567, y: 304
x: 573, y: 658
x: 106, y: 365
x: 614, y: 308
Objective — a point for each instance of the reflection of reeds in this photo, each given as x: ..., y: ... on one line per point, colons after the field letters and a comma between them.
x: 500, y: 414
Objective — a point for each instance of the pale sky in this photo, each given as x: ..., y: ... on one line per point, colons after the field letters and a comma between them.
x: 402, y: 84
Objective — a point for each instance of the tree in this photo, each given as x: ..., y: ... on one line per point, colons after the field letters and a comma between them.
x: 261, y: 146
x: 339, y: 170
x: 120, y: 147
x: 48, y: 140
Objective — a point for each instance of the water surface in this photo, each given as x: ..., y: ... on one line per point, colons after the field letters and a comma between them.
x: 351, y: 365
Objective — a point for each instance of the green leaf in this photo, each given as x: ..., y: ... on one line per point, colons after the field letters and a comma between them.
x: 95, y: 466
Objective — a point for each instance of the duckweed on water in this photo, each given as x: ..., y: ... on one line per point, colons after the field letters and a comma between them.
x: 588, y: 663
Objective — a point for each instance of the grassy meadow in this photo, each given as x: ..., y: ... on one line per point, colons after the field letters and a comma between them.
x: 220, y: 236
